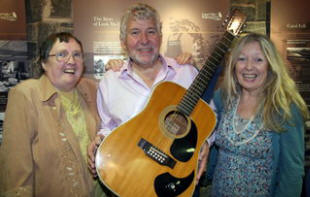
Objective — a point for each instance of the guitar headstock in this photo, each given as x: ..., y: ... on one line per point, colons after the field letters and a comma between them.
x: 236, y: 21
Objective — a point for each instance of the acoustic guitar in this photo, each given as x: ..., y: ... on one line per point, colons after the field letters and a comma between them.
x: 156, y: 152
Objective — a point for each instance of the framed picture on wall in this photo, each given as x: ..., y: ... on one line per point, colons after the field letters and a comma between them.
x: 12, y: 20
x: 14, y: 68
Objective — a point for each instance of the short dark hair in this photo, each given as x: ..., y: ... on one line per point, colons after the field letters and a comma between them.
x: 46, y: 47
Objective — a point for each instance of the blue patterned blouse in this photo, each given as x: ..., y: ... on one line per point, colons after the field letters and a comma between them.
x: 244, y: 165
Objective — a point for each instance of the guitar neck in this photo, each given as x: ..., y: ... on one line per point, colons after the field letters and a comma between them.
x: 200, y: 84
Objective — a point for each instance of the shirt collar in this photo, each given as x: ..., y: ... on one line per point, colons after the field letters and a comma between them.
x: 49, y: 92
x: 169, y: 67
x: 47, y: 89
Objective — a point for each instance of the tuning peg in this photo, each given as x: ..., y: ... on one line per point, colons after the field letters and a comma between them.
x: 225, y: 22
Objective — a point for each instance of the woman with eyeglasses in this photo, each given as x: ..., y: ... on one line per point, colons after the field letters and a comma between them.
x: 48, y: 123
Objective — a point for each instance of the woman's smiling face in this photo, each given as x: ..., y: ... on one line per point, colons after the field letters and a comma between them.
x: 64, y: 66
x: 251, y: 67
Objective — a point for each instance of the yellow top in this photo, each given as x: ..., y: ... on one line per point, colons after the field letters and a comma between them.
x: 76, y: 117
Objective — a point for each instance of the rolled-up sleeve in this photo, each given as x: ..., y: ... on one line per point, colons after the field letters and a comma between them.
x: 106, y: 122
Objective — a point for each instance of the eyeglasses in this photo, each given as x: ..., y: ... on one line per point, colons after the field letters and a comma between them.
x: 63, y: 56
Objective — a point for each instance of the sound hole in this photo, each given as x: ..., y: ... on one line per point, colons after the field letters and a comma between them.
x: 176, y: 123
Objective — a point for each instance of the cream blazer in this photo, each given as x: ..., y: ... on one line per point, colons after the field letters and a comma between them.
x: 40, y: 155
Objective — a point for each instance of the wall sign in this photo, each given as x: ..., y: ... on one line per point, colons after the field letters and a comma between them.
x: 12, y: 20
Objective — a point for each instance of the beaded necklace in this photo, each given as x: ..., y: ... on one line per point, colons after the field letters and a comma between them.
x: 238, y: 126
x: 246, y: 127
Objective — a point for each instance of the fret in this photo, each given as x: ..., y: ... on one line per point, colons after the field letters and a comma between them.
x: 184, y: 106
x: 192, y: 102
x: 185, y: 109
x: 223, y: 46
x: 211, y: 66
x: 213, y: 58
x: 203, y: 82
x: 219, y: 53
x: 191, y: 98
x: 213, y: 61
x: 218, y: 56
x: 195, y: 91
x: 199, y: 85
x: 222, y: 50
x: 207, y: 75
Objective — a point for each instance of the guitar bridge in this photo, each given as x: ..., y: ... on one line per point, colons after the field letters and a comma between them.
x: 156, y: 154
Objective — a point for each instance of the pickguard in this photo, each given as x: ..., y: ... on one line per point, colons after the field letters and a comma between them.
x: 183, y: 148
x: 167, y: 185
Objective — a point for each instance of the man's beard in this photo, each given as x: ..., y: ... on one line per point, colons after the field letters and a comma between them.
x: 140, y: 60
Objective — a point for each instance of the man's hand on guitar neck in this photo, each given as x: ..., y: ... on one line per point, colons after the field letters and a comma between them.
x: 91, y: 150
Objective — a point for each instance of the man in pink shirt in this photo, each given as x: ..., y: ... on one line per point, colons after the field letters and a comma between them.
x: 123, y: 94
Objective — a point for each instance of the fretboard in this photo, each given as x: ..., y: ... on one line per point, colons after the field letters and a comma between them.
x: 200, y: 84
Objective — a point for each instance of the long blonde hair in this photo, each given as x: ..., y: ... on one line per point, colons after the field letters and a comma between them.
x: 280, y: 90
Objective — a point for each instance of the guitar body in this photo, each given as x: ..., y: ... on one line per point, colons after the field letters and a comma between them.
x: 145, y: 157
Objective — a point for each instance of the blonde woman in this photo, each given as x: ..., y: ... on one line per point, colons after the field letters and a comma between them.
x: 259, y: 141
